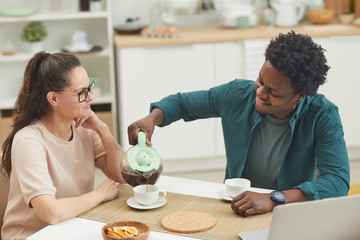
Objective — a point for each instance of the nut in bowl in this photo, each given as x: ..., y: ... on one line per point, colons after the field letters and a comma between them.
x: 320, y: 16
x: 128, y: 230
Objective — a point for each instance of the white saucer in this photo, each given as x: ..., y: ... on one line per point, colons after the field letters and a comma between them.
x: 223, y: 195
x: 134, y: 204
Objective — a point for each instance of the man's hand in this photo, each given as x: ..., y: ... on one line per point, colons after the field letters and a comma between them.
x: 147, y: 125
x: 250, y: 203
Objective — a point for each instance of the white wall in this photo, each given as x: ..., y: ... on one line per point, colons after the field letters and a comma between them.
x: 123, y: 9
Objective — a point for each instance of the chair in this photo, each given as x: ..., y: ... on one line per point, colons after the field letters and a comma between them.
x: 354, y: 189
x: 4, y: 192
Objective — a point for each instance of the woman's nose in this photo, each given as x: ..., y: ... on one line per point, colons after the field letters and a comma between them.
x: 89, y: 97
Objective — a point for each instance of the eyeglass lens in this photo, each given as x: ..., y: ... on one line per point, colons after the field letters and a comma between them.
x: 84, y: 93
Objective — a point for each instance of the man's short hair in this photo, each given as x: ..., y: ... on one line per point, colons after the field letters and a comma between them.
x: 300, y: 59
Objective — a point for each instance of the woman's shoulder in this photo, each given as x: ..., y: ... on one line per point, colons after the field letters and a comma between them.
x: 33, y: 133
x: 33, y: 130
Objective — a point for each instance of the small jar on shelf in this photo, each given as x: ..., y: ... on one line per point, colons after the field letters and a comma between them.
x: 9, y: 48
x: 84, y: 5
x: 95, y: 6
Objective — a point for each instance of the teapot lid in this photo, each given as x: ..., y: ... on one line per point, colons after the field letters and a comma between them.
x: 141, y: 157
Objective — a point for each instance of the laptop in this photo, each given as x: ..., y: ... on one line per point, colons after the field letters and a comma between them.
x: 330, y: 219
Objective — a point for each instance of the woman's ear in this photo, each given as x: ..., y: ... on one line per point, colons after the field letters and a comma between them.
x: 52, y: 98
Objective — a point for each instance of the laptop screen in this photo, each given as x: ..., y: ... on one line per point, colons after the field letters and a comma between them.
x: 330, y: 219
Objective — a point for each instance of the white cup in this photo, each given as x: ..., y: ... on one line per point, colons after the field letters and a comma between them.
x: 79, y: 40
x: 147, y: 194
x: 235, y: 186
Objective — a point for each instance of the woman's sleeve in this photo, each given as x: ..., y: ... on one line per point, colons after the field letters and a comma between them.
x: 29, y: 165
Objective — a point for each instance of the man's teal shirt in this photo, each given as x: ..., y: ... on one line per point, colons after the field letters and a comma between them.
x: 316, y: 140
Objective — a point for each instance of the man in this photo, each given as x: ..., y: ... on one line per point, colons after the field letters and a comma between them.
x: 279, y: 133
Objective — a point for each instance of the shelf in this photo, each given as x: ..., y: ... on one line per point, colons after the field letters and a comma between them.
x: 24, y: 56
x: 103, y: 99
x: 55, y: 16
x: 7, y: 103
x: 61, y: 25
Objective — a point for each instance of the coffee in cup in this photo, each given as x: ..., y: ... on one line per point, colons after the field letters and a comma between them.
x: 235, y: 186
x: 147, y: 194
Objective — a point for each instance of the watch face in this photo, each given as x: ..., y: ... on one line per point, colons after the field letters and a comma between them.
x: 278, y: 197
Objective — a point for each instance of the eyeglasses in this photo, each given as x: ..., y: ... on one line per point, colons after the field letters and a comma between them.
x: 82, y: 95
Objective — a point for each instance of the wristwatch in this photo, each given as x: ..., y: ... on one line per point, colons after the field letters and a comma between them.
x: 278, y: 197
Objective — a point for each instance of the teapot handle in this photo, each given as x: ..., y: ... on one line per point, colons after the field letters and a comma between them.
x: 300, y: 10
x: 141, y: 139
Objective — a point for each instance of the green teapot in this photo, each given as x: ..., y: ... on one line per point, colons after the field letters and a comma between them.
x: 141, y: 164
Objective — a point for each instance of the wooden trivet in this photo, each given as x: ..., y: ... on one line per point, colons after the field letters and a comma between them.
x: 188, y: 222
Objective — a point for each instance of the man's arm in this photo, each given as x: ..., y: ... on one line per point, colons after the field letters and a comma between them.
x: 332, y: 160
x: 250, y: 203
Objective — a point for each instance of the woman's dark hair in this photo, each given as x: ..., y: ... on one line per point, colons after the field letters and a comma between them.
x: 300, y: 59
x: 44, y: 73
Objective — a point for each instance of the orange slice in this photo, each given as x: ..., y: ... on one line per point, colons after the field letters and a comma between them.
x: 130, y: 231
x: 112, y: 233
x: 120, y: 231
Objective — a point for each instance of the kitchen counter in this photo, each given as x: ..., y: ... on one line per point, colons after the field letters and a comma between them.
x: 217, y: 34
x: 205, y: 57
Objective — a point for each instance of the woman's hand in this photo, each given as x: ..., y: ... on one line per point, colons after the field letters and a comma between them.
x: 108, y: 190
x: 249, y: 203
x: 51, y: 210
x: 91, y: 122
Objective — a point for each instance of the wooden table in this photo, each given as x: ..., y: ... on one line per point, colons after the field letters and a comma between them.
x: 80, y: 228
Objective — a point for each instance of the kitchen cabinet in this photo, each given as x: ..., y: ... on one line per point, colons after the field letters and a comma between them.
x: 147, y: 74
x: 229, y: 64
x: 61, y: 25
x: 343, y: 83
x: 5, y: 129
x: 167, y: 70
x: 254, y: 54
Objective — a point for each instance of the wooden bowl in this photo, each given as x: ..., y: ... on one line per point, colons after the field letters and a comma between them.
x: 346, y: 18
x: 143, y: 229
x: 320, y: 16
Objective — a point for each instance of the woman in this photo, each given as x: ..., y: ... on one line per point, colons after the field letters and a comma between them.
x: 53, y: 149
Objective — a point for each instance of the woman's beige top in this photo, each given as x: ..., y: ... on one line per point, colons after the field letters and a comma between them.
x: 45, y: 164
